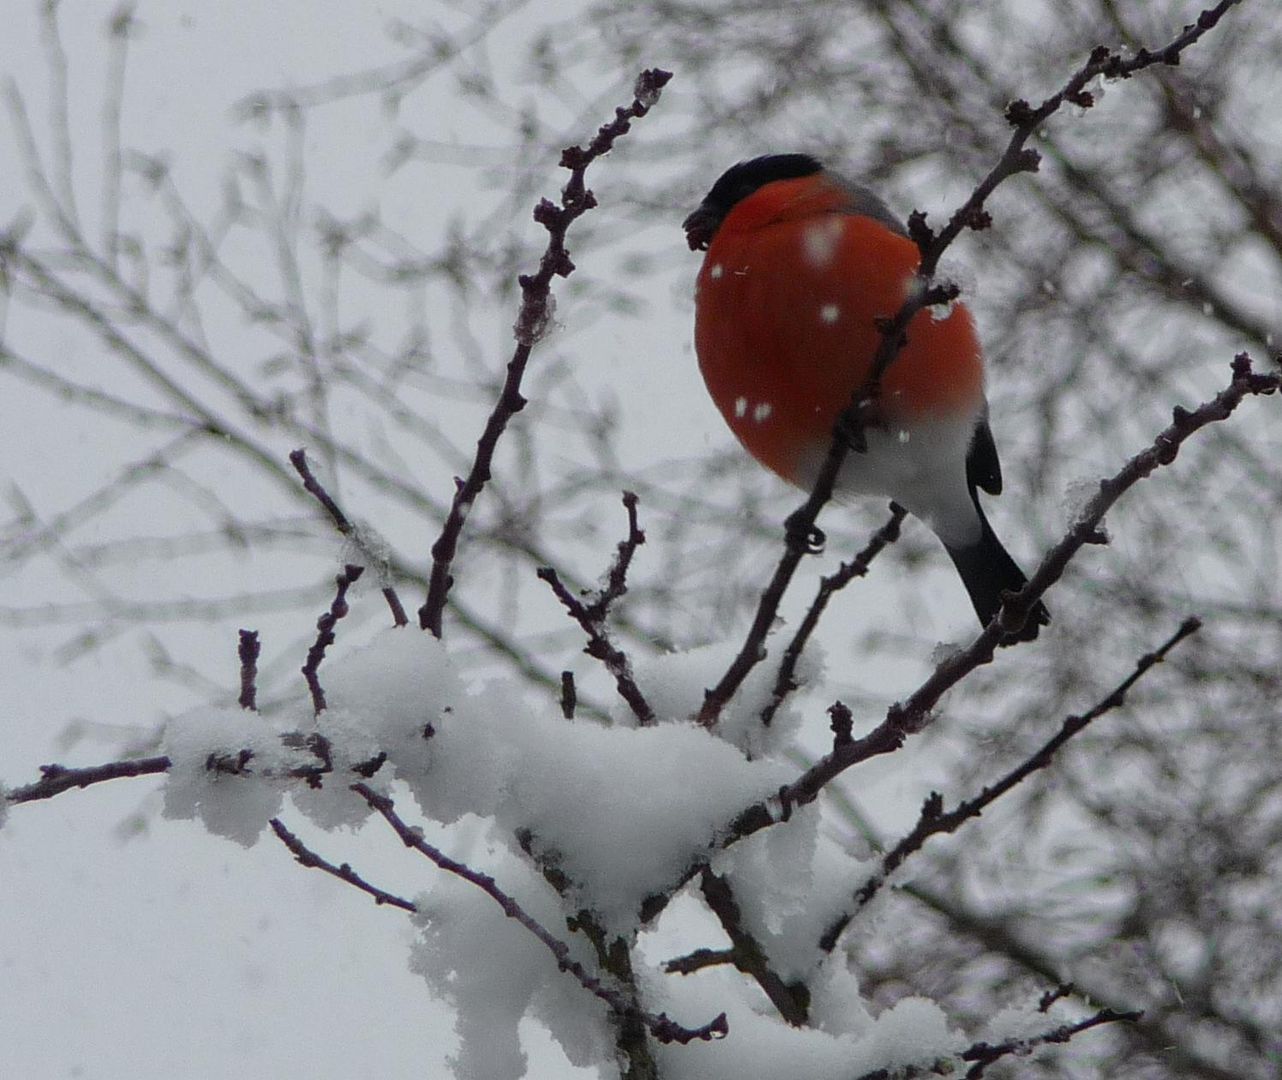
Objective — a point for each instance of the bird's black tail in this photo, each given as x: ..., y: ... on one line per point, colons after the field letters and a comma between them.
x: 987, y: 570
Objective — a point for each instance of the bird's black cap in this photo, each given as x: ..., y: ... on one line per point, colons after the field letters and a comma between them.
x: 736, y: 184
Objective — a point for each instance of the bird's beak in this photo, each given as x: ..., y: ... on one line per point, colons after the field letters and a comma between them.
x: 701, y: 226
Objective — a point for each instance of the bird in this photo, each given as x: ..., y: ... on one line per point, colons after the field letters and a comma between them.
x: 801, y: 269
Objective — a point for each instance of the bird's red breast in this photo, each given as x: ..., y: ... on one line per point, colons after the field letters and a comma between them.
x: 787, y: 303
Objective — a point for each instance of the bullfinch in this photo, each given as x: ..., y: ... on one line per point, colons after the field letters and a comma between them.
x: 802, y: 268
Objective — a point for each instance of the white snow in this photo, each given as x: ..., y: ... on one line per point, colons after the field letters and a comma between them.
x: 494, y: 971
x: 763, y: 1047
x: 236, y: 807
x: 819, y: 240
x: 621, y: 810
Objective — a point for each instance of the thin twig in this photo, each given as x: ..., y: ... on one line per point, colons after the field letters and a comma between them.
x: 298, y: 458
x: 660, y: 1026
x: 325, y: 635
x: 785, y: 683
x: 569, y: 695
x: 532, y: 324
x: 934, y: 819
x: 698, y: 961
x: 616, y: 583
x: 592, y: 614
x: 601, y: 647
x: 55, y: 779
x: 984, y: 1054
x: 792, y: 1000
x: 248, y: 650
x: 120, y: 27
x: 345, y: 873
x: 912, y: 714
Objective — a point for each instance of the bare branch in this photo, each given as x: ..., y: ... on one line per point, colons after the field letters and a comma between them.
x: 249, y: 650
x: 325, y: 638
x: 984, y: 1054
x: 55, y: 779
x: 934, y: 819
x: 913, y: 713
x: 531, y: 324
x: 119, y: 28
x: 828, y: 587
x: 569, y: 695
x: 345, y: 873
x: 698, y: 961
x: 591, y: 616
x: 617, y: 578
x: 298, y: 458
x: 791, y: 999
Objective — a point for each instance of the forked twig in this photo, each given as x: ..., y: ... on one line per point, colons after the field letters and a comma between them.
x: 591, y: 615
x: 298, y: 458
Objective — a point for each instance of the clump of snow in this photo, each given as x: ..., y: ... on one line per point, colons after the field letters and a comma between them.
x: 1027, y: 1021
x: 1077, y: 496
x: 674, y: 686
x: 760, y: 1045
x: 236, y: 806
x: 390, y: 695
x: 367, y: 547
x: 943, y: 652
x: 792, y: 881
x: 494, y: 971
x: 622, y: 811
x: 836, y: 1002
x: 625, y: 811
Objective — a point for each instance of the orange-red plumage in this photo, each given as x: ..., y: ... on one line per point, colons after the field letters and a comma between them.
x: 786, y: 327
x: 801, y: 268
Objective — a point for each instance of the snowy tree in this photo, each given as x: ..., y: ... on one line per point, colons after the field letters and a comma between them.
x: 761, y: 825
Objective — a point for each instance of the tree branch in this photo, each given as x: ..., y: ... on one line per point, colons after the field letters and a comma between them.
x: 913, y: 714
x: 591, y: 617
x: 325, y: 635
x: 248, y: 651
x: 344, y: 873
x: 828, y: 587
x: 532, y: 324
x: 55, y: 779
x: 934, y: 820
x: 298, y: 458
x: 802, y: 535
x: 792, y: 1000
